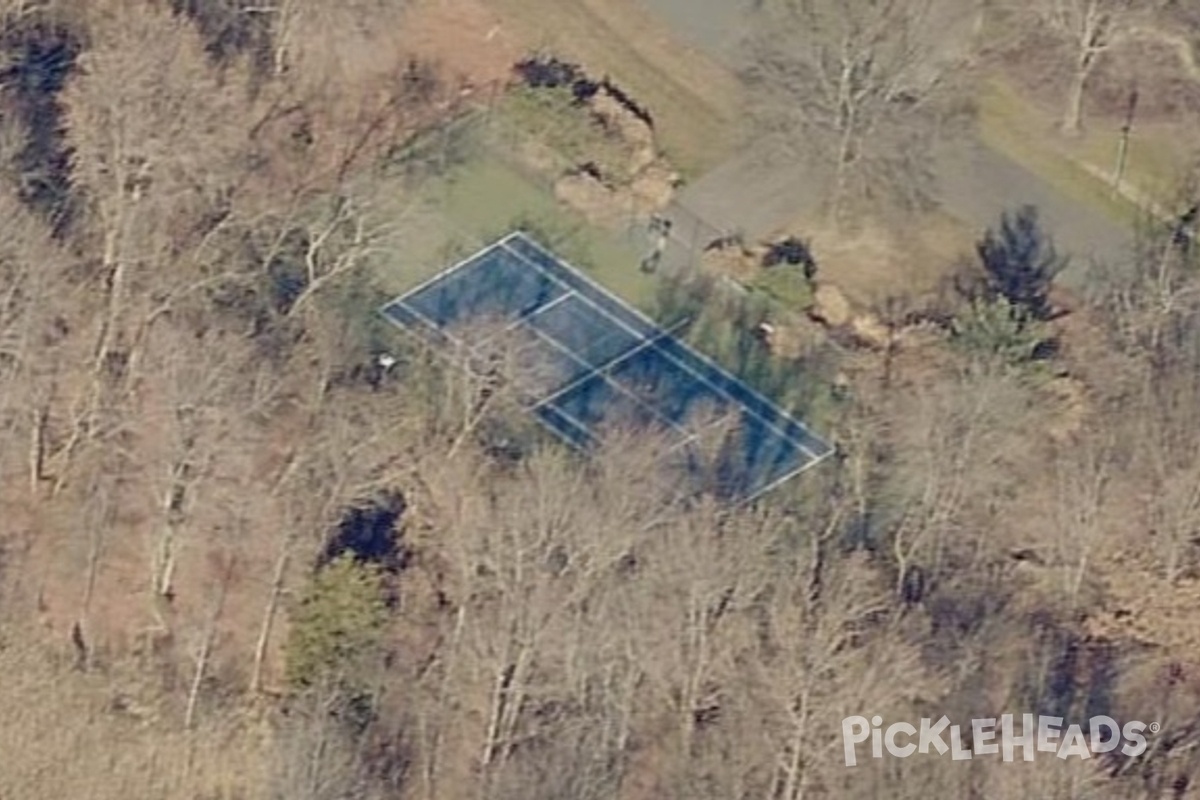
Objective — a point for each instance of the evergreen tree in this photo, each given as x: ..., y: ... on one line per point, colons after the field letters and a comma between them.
x: 1021, y: 262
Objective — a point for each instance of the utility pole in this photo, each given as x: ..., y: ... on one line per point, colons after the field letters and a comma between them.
x: 1123, y: 142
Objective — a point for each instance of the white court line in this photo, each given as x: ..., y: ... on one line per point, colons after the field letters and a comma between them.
x: 697, y: 434
x: 426, y: 321
x: 679, y: 364
x: 521, y: 319
x: 594, y: 372
x: 812, y: 460
x: 788, y: 476
x: 445, y: 274
x: 452, y: 271
x: 704, y: 359
x: 471, y: 261
x: 476, y: 350
x: 643, y: 343
x: 570, y: 418
x: 524, y: 318
x: 644, y: 340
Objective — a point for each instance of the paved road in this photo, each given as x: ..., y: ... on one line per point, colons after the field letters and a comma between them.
x: 978, y: 184
x: 754, y: 193
x: 757, y: 196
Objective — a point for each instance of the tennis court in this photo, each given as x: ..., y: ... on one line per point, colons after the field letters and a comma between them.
x: 584, y: 362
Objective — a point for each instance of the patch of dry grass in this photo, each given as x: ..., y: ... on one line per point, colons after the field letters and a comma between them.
x: 882, y: 261
x: 1020, y: 128
x: 107, y: 736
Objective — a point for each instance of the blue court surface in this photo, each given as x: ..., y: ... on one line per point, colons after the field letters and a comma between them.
x: 584, y: 362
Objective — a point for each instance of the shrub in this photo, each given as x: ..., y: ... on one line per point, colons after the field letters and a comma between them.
x: 788, y: 285
x: 337, y: 628
x: 998, y: 329
x: 1021, y: 262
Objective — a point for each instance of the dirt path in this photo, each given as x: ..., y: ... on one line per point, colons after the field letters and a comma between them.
x: 754, y: 193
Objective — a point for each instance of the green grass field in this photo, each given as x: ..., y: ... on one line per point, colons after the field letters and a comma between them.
x: 492, y: 198
x: 484, y: 198
x: 1025, y: 132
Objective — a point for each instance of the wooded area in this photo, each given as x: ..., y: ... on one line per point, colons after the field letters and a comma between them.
x: 242, y: 557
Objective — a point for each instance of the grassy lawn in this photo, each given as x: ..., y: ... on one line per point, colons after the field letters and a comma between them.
x: 786, y: 287
x: 492, y: 198
x: 483, y: 199
x: 1025, y: 132
x: 1012, y: 126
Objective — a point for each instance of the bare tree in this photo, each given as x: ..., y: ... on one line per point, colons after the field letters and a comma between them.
x: 344, y: 68
x: 832, y: 648
x: 341, y: 238
x: 701, y: 573
x: 1084, y: 474
x: 198, y: 409
x: 540, y: 646
x: 154, y: 133
x: 317, y: 757
x: 862, y: 86
x: 225, y: 568
x: 1089, y: 30
x: 1172, y: 447
x: 1166, y: 443
x: 32, y: 277
x: 952, y: 442
x: 314, y: 37
x: 1151, y: 303
x: 1148, y: 297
